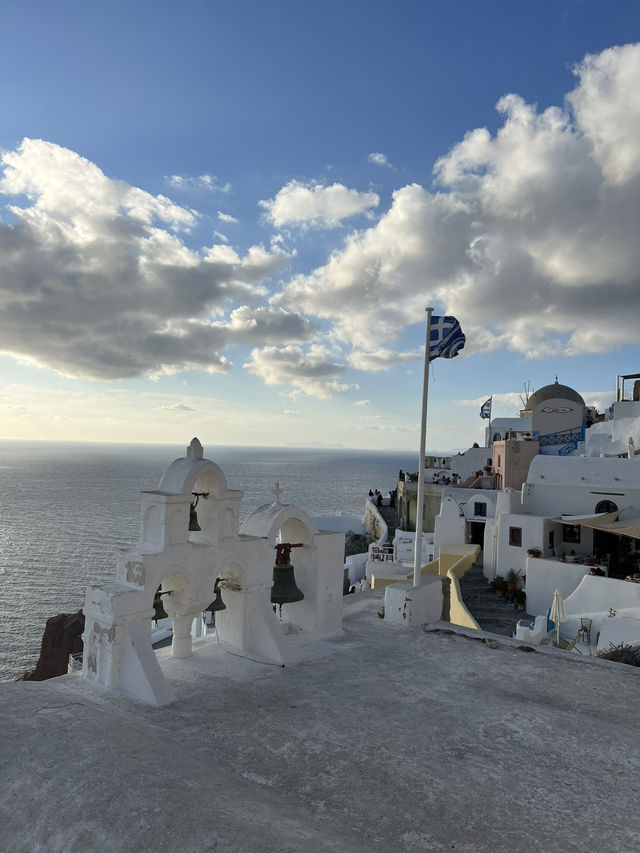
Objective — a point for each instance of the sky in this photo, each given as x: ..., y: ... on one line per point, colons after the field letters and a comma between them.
x: 226, y: 219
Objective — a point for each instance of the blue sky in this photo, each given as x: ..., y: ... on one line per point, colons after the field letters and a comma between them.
x: 226, y: 219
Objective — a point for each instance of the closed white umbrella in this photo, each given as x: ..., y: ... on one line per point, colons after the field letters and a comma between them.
x: 557, y: 614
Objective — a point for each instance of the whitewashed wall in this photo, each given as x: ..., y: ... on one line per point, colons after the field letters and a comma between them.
x: 545, y: 576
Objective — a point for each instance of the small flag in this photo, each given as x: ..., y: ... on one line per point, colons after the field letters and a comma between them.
x: 485, y: 409
x: 445, y: 338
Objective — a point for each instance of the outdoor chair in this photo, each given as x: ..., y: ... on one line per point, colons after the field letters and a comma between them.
x: 585, y: 629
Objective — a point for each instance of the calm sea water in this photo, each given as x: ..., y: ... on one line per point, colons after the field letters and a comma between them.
x: 66, y: 509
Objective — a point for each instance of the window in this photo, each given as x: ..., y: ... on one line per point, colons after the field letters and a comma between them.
x: 571, y: 533
x: 480, y: 509
x: 606, y: 506
x: 515, y: 537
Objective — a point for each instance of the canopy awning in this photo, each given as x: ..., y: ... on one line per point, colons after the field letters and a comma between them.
x: 607, y: 522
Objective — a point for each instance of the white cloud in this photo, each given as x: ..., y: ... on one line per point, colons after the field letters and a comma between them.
x: 310, y: 372
x: 607, y: 108
x: 382, y: 359
x: 226, y: 217
x: 209, y: 183
x: 221, y: 236
x: 314, y: 205
x: 531, y: 241
x: 268, y: 325
x: 378, y: 159
x: 177, y: 407
x: 362, y: 403
x: 95, y: 283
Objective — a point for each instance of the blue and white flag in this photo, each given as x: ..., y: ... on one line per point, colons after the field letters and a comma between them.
x: 485, y: 409
x: 445, y: 338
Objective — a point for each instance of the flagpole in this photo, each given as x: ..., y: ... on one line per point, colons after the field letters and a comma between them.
x: 417, y: 557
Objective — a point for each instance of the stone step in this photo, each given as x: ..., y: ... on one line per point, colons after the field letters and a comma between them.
x: 490, y: 612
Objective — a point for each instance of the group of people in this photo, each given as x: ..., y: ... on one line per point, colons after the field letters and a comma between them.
x: 444, y: 480
x: 376, y: 497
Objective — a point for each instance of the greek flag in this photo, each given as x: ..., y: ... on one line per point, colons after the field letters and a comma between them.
x: 445, y: 338
x: 485, y: 409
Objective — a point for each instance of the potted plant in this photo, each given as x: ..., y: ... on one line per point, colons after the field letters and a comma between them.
x: 512, y: 579
x: 521, y: 599
x: 563, y: 556
x: 534, y: 552
x: 499, y: 586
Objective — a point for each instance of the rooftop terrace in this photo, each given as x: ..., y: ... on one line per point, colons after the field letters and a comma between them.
x: 384, y: 739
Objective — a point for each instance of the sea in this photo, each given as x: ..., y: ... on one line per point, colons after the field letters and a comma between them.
x: 67, y: 509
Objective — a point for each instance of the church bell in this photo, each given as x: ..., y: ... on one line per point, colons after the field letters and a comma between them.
x: 193, y: 515
x: 285, y: 589
x: 217, y: 603
x: 193, y: 519
x: 158, y: 607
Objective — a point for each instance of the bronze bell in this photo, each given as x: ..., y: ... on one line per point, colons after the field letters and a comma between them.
x: 193, y: 519
x: 285, y: 589
x: 217, y: 603
x: 158, y: 606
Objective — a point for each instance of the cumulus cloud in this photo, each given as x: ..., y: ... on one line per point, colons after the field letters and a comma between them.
x: 310, y: 372
x: 379, y: 159
x: 382, y: 359
x: 530, y: 239
x: 209, y: 183
x: 96, y: 282
x: 314, y: 205
x: 226, y: 217
x: 269, y: 325
x: 362, y: 403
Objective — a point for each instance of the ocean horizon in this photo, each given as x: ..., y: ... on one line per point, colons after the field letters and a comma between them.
x: 68, y: 508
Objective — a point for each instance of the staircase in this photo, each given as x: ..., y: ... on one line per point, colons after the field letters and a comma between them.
x: 490, y: 612
x: 390, y: 515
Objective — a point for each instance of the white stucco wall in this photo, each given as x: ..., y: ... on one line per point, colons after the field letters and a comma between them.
x: 594, y: 597
x: 545, y: 576
x: 404, y: 546
x: 576, y: 484
x: 505, y: 425
x: 511, y: 556
x: 449, y: 524
x: 473, y: 459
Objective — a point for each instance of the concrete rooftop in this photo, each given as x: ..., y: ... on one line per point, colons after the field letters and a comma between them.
x: 384, y: 739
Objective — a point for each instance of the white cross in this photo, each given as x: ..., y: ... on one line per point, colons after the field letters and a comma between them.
x: 277, y: 492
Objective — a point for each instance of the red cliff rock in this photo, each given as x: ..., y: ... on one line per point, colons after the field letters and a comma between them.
x: 62, y: 637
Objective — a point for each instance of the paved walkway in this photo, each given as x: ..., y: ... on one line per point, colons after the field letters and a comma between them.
x: 390, y: 515
x: 490, y: 612
x: 380, y: 740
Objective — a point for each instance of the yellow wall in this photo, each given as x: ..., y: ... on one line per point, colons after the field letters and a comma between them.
x: 458, y: 614
x: 453, y: 562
